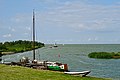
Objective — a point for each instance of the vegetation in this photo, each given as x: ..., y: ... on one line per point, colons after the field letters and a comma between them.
x: 0, y: 56
x: 18, y: 46
x: 23, y: 73
x: 105, y: 55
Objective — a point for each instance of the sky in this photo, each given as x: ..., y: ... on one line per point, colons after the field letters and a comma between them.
x: 61, y: 21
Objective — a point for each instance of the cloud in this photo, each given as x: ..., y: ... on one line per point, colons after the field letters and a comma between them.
x: 12, y: 29
x: 21, y: 18
x: 65, y: 21
x: 7, y: 35
x: 28, y: 28
x: 93, y: 39
x: 89, y: 39
x: 83, y: 16
x: 26, y: 33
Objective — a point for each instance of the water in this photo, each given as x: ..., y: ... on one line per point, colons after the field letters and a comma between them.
x: 76, y: 56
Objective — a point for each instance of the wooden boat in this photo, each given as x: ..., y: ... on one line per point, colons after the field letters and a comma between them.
x: 38, y: 64
x: 49, y: 65
x: 83, y: 73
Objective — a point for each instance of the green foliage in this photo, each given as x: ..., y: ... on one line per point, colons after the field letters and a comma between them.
x: 23, y: 73
x: 19, y: 46
x: 2, y: 47
x: 0, y: 54
x: 104, y: 55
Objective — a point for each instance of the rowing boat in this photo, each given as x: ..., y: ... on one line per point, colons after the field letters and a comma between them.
x: 83, y: 73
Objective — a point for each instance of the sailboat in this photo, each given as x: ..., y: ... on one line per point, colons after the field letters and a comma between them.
x: 44, y: 64
x: 39, y: 64
x: 50, y: 65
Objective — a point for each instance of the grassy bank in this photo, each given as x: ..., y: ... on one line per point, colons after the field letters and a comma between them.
x: 105, y: 55
x: 22, y: 73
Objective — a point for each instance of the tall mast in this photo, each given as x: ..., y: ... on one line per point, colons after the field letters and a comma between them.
x: 33, y: 35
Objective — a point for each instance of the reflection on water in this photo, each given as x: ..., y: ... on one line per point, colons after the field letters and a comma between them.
x: 76, y: 58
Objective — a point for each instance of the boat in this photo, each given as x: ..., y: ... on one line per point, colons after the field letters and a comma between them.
x: 55, y: 66
x: 39, y: 63
x: 83, y: 73
x: 49, y: 65
x: 55, y: 45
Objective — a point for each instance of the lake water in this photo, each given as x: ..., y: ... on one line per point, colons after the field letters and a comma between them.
x: 76, y: 56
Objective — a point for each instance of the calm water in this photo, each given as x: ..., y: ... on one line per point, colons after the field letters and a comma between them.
x: 75, y: 55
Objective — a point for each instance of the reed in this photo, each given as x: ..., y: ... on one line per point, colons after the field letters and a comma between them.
x: 104, y: 55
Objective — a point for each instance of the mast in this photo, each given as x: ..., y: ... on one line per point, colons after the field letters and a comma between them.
x: 33, y: 35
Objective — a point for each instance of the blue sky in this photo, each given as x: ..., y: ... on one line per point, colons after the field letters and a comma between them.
x: 61, y: 21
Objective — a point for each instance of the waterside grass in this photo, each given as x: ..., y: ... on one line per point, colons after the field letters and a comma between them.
x: 23, y: 73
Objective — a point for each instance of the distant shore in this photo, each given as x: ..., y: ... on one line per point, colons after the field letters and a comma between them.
x: 18, y: 47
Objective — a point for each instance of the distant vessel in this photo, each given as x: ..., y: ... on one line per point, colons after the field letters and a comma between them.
x: 55, y: 45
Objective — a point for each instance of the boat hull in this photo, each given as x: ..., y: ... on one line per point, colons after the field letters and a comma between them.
x: 62, y: 67
x: 83, y: 73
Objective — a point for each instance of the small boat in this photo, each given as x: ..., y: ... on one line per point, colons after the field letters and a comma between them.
x: 55, y: 45
x: 83, y: 73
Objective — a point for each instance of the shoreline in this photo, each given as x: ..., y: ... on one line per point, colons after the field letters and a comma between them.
x: 10, y: 52
x: 7, y: 53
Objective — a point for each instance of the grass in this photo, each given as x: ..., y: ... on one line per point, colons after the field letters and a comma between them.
x: 23, y: 73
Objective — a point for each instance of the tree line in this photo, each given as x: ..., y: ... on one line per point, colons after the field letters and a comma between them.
x: 19, y: 46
